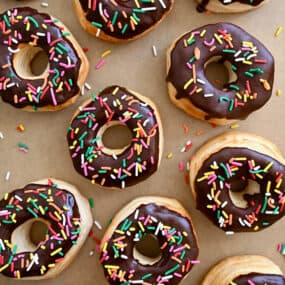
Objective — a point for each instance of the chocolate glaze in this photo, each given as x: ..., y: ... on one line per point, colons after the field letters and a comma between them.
x: 179, y: 73
x: 51, y: 34
x: 61, y: 198
x: 145, y: 19
x: 256, y: 202
x: 203, y: 5
x: 134, y: 105
x: 168, y: 218
x: 260, y: 279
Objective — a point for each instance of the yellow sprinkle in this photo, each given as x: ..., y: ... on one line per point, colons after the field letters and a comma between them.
x: 43, y: 247
x: 247, y: 62
x: 203, y: 33
x: 42, y: 210
x: 268, y: 186
x: 51, y: 265
x: 63, y: 234
x: 119, y: 232
x: 141, y: 226
x: 256, y: 228
x: 185, y: 234
x: 18, y: 274
x: 218, y: 39
x: 201, y: 179
x: 115, y: 91
x: 6, y: 196
x: 268, y: 166
x: 279, y: 183
x: 56, y: 251
x: 234, y: 126
x: 112, y: 266
x: 105, y: 53
x: 57, y: 215
x: 278, y: 31
x: 278, y: 92
x: 188, y: 83
x: 169, y: 155
x: 4, y: 267
x: 105, y: 246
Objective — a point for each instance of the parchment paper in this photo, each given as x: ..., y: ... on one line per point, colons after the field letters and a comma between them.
x: 134, y: 66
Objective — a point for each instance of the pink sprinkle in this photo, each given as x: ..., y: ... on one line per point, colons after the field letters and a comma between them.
x: 101, y: 62
x: 208, y: 44
x: 195, y: 261
x: 181, y: 166
x: 53, y: 97
x: 23, y: 149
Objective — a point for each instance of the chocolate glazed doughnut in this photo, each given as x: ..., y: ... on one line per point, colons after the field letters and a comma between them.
x: 228, y: 6
x: 67, y: 216
x: 245, y: 270
x: 237, y: 180
x: 24, y: 32
x: 116, y: 168
x: 250, y: 64
x: 162, y: 218
x: 121, y: 20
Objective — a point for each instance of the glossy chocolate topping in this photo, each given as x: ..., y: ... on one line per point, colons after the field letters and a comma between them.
x: 136, y: 162
x: 23, y: 27
x: 37, y: 202
x: 260, y: 279
x: 249, y: 59
x: 229, y: 170
x: 125, y: 19
x: 203, y: 6
x: 176, y: 238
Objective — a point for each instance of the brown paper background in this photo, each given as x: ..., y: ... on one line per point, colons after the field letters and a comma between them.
x: 134, y: 66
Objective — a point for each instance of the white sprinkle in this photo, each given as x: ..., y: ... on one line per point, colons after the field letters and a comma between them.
x: 124, y: 256
x: 91, y: 253
x: 123, y: 184
x: 201, y: 81
x: 136, y: 214
x: 154, y: 50
x: 8, y: 174
x: 87, y: 85
x: 98, y: 225
x: 162, y: 4
x: 241, y: 222
x: 80, y: 108
x: 44, y: 4
x: 230, y: 233
x: 159, y: 226
x: 18, y: 198
x: 83, y: 90
x: 148, y: 9
x: 209, y: 197
x: 224, y: 204
x: 114, y: 156
x: 209, y: 95
x: 1, y: 136
x: 247, y: 223
x: 2, y: 244
x: 98, y: 33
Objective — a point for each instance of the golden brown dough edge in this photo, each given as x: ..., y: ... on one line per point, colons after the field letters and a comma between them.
x: 231, y: 139
x: 85, y: 225
x: 82, y: 75
x: 232, y: 267
x: 216, y: 6
x: 103, y: 36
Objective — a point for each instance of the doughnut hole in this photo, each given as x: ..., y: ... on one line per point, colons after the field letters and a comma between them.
x: 241, y: 188
x: 28, y: 235
x: 31, y: 62
x: 115, y: 138
x: 219, y: 72
x: 147, y: 251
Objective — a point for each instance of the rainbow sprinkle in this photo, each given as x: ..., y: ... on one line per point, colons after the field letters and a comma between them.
x: 36, y: 202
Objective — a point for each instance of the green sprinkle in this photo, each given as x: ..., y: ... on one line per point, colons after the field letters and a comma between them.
x: 171, y: 270
x: 96, y: 24
x: 91, y: 202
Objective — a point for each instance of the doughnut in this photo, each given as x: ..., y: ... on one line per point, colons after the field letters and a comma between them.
x: 62, y: 209
x: 116, y: 168
x: 24, y: 33
x: 121, y: 20
x: 228, y: 6
x: 250, y: 66
x: 245, y: 270
x: 164, y: 219
x: 237, y: 182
